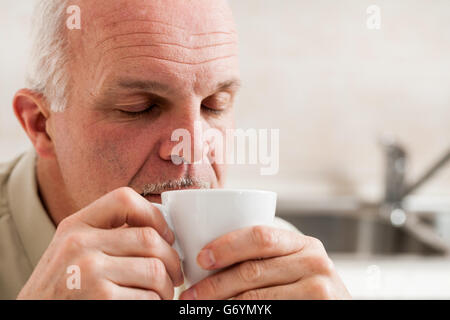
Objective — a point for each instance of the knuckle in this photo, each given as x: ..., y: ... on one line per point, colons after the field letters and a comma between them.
x: 104, y: 292
x: 321, y: 264
x: 151, y: 295
x: 253, y: 295
x: 315, y: 243
x: 156, y: 270
x: 325, y: 265
x: 125, y: 196
x: 250, y: 271
x: 211, y: 285
x: 147, y: 237
x: 229, y: 241
x: 73, y: 242
x: 66, y: 225
x: 90, y: 264
x: 320, y: 288
x: 264, y: 236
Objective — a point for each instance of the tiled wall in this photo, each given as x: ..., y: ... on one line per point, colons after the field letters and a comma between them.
x: 314, y: 70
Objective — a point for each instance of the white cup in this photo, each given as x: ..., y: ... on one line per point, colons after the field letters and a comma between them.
x: 198, y: 216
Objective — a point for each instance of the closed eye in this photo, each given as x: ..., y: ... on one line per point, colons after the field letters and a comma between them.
x: 140, y: 113
x: 211, y: 110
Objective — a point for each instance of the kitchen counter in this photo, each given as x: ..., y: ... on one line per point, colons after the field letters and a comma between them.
x: 395, y: 277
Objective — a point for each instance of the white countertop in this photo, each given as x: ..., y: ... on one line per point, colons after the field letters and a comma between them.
x: 396, y: 277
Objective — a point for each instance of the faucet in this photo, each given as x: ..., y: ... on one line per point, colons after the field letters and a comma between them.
x: 394, y: 179
x: 396, y: 189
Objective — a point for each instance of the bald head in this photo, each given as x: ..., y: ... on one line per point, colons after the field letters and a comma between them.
x: 181, y: 31
x: 149, y: 36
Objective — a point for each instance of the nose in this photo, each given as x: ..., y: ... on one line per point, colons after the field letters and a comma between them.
x: 184, y: 141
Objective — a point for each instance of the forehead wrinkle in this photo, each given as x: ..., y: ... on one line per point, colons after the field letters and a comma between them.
x: 121, y: 15
x: 174, y: 18
x: 181, y: 29
x: 119, y: 18
x: 162, y: 44
x: 165, y: 55
x: 175, y: 61
x: 141, y: 30
x: 117, y: 23
x: 144, y: 40
x: 114, y: 37
x: 175, y: 51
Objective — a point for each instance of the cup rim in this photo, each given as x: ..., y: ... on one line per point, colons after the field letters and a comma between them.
x: 221, y: 190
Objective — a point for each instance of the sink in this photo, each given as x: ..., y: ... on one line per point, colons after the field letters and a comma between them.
x: 362, y: 231
x: 375, y: 258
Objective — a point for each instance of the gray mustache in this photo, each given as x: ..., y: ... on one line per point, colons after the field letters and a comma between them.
x: 181, y: 183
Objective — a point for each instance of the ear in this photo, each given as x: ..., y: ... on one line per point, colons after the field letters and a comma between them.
x: 33, y: 113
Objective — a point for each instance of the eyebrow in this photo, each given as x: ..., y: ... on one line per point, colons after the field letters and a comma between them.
x: 233, y: 84
x: 154, y: 86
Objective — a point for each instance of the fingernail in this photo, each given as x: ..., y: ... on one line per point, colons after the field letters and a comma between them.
x: 190, y: 294
x: 206, y: 258
x: 168, y: 235
x: 181, y: 277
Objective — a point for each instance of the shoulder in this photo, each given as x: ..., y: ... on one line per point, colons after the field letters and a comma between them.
x: 5, y: 171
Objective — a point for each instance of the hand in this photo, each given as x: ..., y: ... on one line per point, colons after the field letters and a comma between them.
x: 267, y: 263
x: 121, y: 244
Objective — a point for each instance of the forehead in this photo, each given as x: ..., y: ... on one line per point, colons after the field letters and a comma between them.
x: 193, y: 15
x: 176, y: 41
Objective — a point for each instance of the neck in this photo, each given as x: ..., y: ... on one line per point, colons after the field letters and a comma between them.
x: 52, y: 190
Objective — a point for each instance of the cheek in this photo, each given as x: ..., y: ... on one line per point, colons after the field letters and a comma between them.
x: 100, y: 157
x: 118, y: 151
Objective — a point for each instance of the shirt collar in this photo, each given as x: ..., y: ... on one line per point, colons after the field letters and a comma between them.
x: 33, y: 224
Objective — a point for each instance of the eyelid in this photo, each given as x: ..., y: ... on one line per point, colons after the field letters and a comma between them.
x: 220, y: 100
x: 133, y: 107
x: 212, y: 110
x: 140, y: 100
x: 150, y: 108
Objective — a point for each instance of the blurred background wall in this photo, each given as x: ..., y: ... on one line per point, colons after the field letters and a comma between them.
x: 333, y: 87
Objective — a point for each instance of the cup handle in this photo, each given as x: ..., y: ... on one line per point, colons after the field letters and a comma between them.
x: 166, y: 216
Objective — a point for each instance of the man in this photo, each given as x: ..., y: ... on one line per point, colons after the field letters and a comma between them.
x: 101, y: 105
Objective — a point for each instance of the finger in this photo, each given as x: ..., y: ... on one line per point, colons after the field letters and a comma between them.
x: 283, y: 292
x: 136, y: 294
x: 117, y: 292
x: 140, y: 242
x: 143, y: 273
x: 312, y: 288
x: 125, y: 206
x: 248, y: 244
x: 246, y: 276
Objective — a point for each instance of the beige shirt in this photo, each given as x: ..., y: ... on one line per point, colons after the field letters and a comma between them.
x: 25, y: 227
